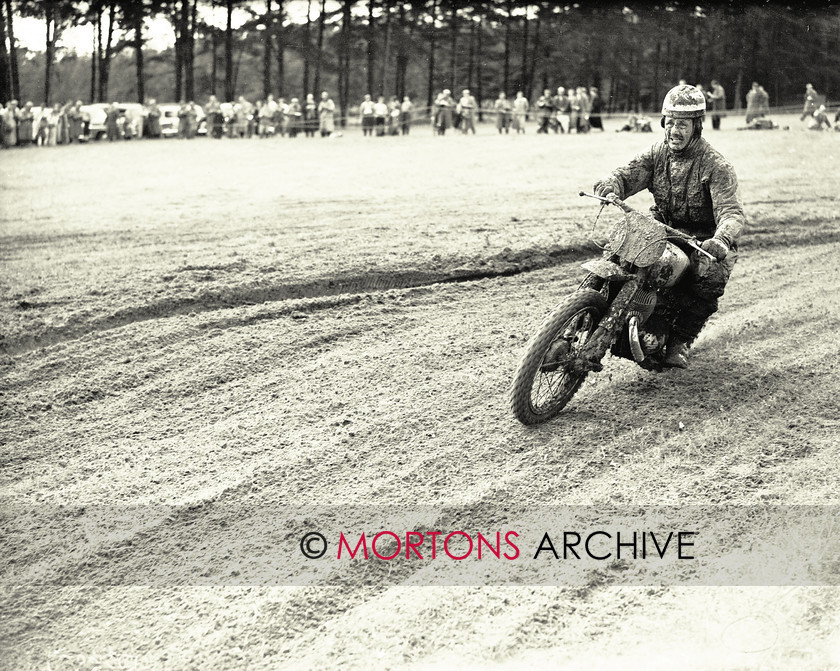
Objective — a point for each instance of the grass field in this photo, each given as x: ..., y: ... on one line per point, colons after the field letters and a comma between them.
x: 205, y: 330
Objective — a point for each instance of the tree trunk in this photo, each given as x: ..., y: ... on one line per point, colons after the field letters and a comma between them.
x: 479, y: 93
x: 506, y: 71
x: 229, y: 52
x: 535, y: 50
x: 178, y: 25
x: 190, y: 74
x: 306, y: 47
x: 344, y: 62
x: 431, y: 86
x: 281, y: 51
x: 371, y: 48
x: 105, y: 63
x: 523, y: 77
x: 453, y: 48
x: 214, y: 59
x: 383, y: 88
x: 471, y: 55
x: 268, y: 36
x: 13, y: 61
x: 402, y: 58
x: 5, y: 74
x: 322, y: 19
x: 138, y: 54
x: 50, y: 44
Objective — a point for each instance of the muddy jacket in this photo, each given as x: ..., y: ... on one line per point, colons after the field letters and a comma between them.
x: 695, y: 190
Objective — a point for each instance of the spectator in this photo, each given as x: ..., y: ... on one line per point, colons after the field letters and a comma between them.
x: 53, y: 119
x: 153, y: 119
x: 326, y: 115
x: 394, y: 116
x: 367, y: 118
x: 294, y: 114
x: 630, y: 126
x: 74, y: 121
x: 266, y: 117
x: 837, y: 120
x: 380, y: 115
x: 126, y: 127
x: 112, y: 128
x: 757, y: 102
x: 595, y: 109
x: 585, y: 108
x: 406, y: 109
x: 563, y: 106
x: 213, y: 114
x: 192, y: 120
x: 42, y: 136
x: 62, y: 128
x: 764, y: 101
x: 818, y: 119
x: 520, y: 112
x: 26, y: 119
x: 812, y: 98
x: 466, y: 110
x: 183, y: 120
x: 310, y: 115
x: 717, y: 98
x: 10, y: 124
x: 443, y: 112
x: 544, y: 111
x: 280, y: 117
x: 502, y: 109
x: 577, y: 110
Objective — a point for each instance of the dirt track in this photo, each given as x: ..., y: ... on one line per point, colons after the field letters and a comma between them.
x: 397, y: 397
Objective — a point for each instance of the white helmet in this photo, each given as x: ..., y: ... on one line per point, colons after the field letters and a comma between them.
x: 684, y: 102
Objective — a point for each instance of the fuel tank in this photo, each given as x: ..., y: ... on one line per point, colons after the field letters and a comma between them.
x: 670, y: 267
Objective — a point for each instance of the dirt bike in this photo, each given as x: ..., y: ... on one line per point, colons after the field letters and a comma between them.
x: 642, y: 260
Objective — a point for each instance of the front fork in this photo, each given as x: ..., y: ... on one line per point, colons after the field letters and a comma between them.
x: 596, y: 347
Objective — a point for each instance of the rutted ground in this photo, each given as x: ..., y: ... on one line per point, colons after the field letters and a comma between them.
x: 195, y: 226
x: 398, y: 397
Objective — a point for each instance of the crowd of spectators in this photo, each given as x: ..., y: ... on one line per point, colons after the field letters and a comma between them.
x: 572, y: 110
x: 380, y: 118
x: 28, y: 125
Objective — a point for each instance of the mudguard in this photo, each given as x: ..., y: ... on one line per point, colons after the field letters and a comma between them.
x: 607, y: 269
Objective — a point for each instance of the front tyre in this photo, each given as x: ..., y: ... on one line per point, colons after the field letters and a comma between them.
x: 545, y: 381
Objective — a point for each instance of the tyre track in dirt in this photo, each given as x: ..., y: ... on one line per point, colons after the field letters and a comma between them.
x: 545, y: 464
x: 330, y: 292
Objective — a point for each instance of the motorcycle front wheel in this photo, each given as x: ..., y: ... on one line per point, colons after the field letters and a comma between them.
x: 545, y: 380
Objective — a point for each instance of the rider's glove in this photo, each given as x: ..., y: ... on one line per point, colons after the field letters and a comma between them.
x: 604, y: 187
x: 716, y: 247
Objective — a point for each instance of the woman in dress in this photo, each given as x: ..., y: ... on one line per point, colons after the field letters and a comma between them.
x: 326, y: 115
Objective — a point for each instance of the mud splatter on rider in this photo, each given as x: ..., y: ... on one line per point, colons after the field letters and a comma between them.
x: 695, y: 190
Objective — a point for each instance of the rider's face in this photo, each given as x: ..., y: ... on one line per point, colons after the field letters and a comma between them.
x: 678, y: 133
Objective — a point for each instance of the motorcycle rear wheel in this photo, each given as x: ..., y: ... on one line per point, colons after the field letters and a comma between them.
x: 545, y: 382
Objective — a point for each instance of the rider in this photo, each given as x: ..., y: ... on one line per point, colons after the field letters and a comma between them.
x: 695, y: 190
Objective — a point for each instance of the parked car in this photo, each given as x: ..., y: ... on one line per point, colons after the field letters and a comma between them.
x: 169, y: 119
x: 135, y: 112
x: 97, y: 112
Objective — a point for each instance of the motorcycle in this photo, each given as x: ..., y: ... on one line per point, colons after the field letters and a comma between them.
x: 642, y: 260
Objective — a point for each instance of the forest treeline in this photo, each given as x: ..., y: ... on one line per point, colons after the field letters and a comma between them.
x: 633, y: 51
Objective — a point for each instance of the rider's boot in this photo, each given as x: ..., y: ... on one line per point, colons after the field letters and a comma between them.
x: 677, y: 356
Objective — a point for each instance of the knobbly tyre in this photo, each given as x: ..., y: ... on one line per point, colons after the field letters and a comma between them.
x: 642, y: 260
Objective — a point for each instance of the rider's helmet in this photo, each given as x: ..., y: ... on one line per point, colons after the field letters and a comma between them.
x: 684, y: 102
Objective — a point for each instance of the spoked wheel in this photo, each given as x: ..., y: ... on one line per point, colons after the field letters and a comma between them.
x: 545, y: 380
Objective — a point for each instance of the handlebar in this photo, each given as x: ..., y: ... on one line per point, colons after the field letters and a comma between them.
x: 612, y: 199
